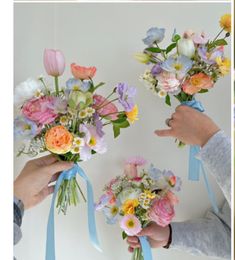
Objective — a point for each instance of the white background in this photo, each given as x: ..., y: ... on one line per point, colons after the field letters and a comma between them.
x: 107, y: 36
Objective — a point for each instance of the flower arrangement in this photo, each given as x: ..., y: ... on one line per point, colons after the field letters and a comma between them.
x: 69, y: 121
x: 191, y: 64
x: 139, y: 197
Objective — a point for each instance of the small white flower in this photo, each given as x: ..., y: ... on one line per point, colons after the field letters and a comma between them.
x: 90, y: 111
x: 77, y: 141
x: 38, y: 93
x: 161, y: 93
x: 75, y: 150
x: 83, y: 114
x: 64, y: 120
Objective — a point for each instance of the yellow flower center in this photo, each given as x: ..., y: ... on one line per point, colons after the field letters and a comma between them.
x: 27, y: 127
x: 129, y: 206
x: 92, y: 141
x: 195, y: 81
x: 78, y: 142
x: 76, y: 149
x: 130, y: 223
x: 114, y: 211
x: 178, y: 66
x: 75, y: 88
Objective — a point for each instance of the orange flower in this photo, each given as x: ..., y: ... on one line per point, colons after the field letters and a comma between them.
x: 133, y: 114
x: 197, y: 82
x: 225, y: 22
x: 58, y: 140
x: 82, y: 72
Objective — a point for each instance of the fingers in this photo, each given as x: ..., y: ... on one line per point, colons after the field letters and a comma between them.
x: 54, y: 177
x: 133, y: 242
x: 43, y: 194
x: 58, y: 167
x: 46, y: 160
x: 130, y: 249
x: 164, y: 132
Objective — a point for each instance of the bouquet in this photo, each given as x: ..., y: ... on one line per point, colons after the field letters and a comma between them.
x: 139, y: 197
x: 192, y: 63
x: 68, y: 121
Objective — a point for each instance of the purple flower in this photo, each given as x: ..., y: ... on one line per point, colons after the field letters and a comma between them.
x: 156, y: 69
x: 98, y: 125
x: 210, y: 58
x: 126, y: 95
x: 103, y: 201
x: 25, y: 128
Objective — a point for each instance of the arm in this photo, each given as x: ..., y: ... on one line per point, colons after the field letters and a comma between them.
x: 210, y: 236
x: 216, y: 156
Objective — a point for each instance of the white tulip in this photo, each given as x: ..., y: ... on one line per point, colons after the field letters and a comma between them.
x: 186, y: 47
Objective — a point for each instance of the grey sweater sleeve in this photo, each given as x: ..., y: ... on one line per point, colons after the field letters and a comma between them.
x: 210, y: 235
x: 18, y: 215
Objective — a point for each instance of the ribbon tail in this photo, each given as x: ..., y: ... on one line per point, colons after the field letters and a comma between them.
x: 91, y: 211
x: 147, y: 253
x: 210, y: 191
x: 50, y: 242
x: 194, y: 164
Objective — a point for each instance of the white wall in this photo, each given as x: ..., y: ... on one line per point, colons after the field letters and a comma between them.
x: 107, y: 36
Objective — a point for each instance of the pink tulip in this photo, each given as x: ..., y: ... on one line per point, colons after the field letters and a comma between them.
x: 82, y: 72
x: 130, y: 170
x: 54, y: 62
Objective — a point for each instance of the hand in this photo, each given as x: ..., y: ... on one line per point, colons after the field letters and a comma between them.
x: 189, y: 126
x: 157, y: 236
x: 31, y: 186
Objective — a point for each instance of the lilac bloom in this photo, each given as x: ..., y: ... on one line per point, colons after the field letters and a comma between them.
x: 25, y: 128
x: 179, y: 65
x: 210, y: 58
x: 154, y: 35
x: 156, y: 69
x: 98, y: 124
x: 82, y: 85
x: 125, y: 96
x: 59, y: 105
x: 103, y: 201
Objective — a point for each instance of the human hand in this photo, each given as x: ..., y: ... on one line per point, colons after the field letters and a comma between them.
x: 157, y: 236
x: 189, y: 126
x: 31, y: 186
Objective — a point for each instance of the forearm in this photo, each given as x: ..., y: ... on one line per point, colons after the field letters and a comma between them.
x: 216, y: 156
x: 210, y: 236
x: 18, y: 214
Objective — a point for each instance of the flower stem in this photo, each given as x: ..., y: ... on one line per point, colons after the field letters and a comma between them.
x: 218, y: 34
x: 98, y: 108
x: 56, y: 85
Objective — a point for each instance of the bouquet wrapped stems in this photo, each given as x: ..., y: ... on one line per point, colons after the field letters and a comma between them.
x: 68, y: 194
x: 137, y: 254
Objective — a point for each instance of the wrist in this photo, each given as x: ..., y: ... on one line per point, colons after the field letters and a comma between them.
x: 207, y: 135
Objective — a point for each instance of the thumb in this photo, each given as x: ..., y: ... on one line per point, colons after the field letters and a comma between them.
x: 164, y: 132
x: 147, y: 231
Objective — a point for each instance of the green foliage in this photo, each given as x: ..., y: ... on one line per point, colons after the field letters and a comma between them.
x: 170, y: 47
x: 168, y: 100
x: 176, y: 37
x: 203, y: 91
x: 124, y: 235
x: 153, y: 49
x: 121, y: 122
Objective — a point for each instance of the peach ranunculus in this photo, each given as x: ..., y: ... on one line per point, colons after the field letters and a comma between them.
x: 58, y: 140
x: 80, y: 72
x: 40, y: 110
x: 197, y: 82
x: 162, y: 211
x: 104, y: 108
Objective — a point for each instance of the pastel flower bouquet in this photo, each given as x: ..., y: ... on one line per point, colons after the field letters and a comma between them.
x: 192, y: 63
x: 139, y: 197
x: 69, y: 121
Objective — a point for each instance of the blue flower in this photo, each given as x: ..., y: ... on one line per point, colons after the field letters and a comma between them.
x: 154, y: 35
x: 111, y: 214
x: 24, y: 128
x: 77, y: 84
x: 154, y: 173
x: 179, y: 65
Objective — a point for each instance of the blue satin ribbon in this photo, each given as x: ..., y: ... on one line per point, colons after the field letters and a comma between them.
x: 146, y: 249
x: 50, y: 243
x: 195, y: 165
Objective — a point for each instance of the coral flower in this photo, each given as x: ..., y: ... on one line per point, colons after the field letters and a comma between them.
x: 197, y: 82
x: 224, y: 65
x: 129, y: 206
x: 131, y: 225
x: 133, y: 114
x: 80, y: 72
x: 58, y: 140
x: 225, y: 22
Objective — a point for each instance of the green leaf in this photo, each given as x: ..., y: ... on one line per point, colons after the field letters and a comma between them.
x: 124, y: 124
x: 119, y: 121
x: 168, y: 100
x: 124, y: 235
x: 203, y: 91
x: 220, y: 42
x: 155, y: 50
x: 170, y: 47
x: 176, y: 37
x: 184, y: 96
x: 116, y: 130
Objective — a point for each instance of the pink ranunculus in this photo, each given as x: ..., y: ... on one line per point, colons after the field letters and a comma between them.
x: 200, y: 38
x: 80, y: 72
x: 162, y: 211
x: 130, y: 170
x: 40, y: 110
x: 168, y: 82
x: 172, y: 197
x: 103, y: 107
x: 54, y: 62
